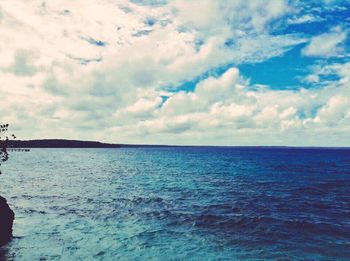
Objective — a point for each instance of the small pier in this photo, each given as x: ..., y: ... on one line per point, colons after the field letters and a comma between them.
x: 18, y: 150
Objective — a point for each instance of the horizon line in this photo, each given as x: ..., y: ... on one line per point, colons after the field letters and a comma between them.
x: 174, y: 145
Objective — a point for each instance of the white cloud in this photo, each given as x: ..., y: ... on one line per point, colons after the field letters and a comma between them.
x: 305, y: 18
x: 238, y: 110
x: 327, y: 44
x: 102, y: 70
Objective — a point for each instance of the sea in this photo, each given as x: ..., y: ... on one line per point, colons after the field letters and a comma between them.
x: 178, y: 203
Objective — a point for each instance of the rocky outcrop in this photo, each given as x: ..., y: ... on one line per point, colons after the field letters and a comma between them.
x: 6, y: 221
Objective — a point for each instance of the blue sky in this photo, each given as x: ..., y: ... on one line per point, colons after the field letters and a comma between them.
x: 197, y: 72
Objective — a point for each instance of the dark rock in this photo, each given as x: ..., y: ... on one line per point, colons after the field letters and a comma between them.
x: 6, y: 221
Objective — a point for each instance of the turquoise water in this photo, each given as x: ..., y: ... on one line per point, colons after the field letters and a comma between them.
x: 178, y: 204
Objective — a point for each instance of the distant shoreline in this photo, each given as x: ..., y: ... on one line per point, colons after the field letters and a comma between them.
x: 63, y: 143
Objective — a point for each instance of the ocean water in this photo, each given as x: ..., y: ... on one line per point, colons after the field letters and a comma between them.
x: 178, y: 204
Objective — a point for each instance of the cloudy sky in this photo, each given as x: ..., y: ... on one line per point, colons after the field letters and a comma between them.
x: 223, y: 72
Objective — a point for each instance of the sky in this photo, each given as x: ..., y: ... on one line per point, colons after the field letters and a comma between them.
x: 184, y: 72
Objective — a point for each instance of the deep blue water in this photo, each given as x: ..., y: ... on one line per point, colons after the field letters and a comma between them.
x: 179, y: 204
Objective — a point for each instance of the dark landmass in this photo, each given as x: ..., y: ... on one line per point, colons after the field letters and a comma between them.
x: 59, y: 143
